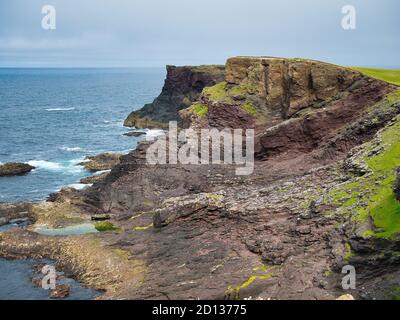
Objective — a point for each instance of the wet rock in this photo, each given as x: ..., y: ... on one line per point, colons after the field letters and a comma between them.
x: 134, y: 133
x: 61, y: 291
x: 103, y: 161
x: 15, y: 169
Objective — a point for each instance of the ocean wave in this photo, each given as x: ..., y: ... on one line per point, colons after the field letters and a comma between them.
x: 69, y: 167
x: 60, y: 109
x: 47, y: 165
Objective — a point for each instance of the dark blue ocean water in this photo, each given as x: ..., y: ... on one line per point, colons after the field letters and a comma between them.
x: 53, y: 118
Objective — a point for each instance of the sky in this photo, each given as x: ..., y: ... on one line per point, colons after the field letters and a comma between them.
x: 153, y: 33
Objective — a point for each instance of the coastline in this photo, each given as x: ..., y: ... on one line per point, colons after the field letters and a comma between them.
x: 202, y: 232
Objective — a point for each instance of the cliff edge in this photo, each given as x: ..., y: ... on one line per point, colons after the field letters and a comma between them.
x: 182, y: 86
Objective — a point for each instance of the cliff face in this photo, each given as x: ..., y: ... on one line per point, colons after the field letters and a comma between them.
x: 293, y: 104
x: 321, y: 195
x: 271, y: 90
x: 182, y: 86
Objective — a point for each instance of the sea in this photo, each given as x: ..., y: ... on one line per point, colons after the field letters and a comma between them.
x: 54, y: 118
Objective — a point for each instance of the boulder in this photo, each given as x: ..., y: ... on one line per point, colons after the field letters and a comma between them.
x: 15, y: 169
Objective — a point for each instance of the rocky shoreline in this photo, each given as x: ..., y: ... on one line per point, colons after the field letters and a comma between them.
x: 202, y: 232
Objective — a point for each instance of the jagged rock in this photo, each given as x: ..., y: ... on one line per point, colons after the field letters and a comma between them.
x: 397, y: 185
x: 182, y: 86
x: 355, y: 167
x: 15, y: 169
x: 94, y: 179
x: 100, y: 162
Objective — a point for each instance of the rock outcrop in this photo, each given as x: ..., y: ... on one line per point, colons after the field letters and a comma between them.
x: 293, y: 104
x: 100, y: 162
x: 182, y: 86
x: 15, y: 169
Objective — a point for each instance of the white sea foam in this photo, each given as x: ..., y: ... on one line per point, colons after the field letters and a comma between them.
x: 72, y: 149
x: 67, y: 168
x: 101, y: 172
x: 46, y: 165
x: 79, y: 186
x: 60, y: 109
x: 153, y: 133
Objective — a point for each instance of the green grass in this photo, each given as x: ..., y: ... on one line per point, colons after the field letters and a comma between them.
x: 200, y: 109
x: 391, y: 76
x: 217, y: 93
x: 221, y: 92
x: 394, y: 294
x: 372, y: 194
x: 105, y: 226
x: 249, y: 108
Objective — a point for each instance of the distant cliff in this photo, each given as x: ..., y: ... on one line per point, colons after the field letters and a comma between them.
x: 182, y: 87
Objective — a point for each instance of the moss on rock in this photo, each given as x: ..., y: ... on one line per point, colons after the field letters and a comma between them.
x: 105, y: 226
x: 201, y: 110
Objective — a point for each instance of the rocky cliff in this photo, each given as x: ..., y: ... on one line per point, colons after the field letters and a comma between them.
x: 183, y: 85
x: 321, y: 195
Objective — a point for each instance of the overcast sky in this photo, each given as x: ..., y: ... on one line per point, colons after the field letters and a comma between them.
x: 157, y: 32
